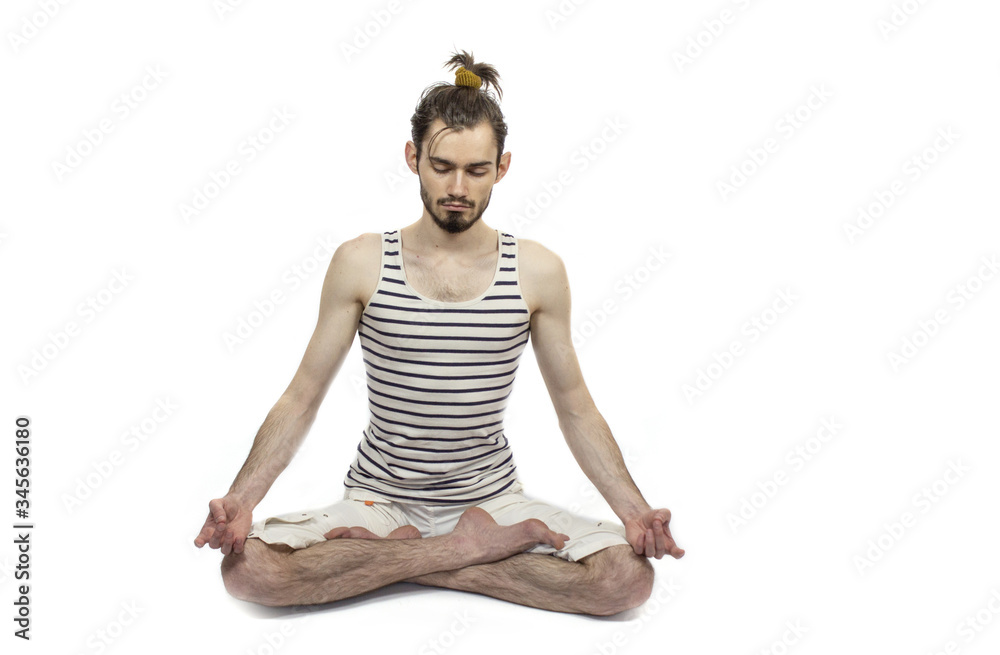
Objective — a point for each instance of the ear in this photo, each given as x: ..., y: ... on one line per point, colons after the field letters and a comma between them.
x: 504, y: 165
x: 410, y: 152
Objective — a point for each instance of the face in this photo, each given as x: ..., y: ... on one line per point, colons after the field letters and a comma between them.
x: 457, y: 174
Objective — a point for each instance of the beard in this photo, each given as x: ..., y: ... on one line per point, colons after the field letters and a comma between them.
x: 452, y: 221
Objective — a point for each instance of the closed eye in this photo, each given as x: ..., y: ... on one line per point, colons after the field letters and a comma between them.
x: 474, y: 173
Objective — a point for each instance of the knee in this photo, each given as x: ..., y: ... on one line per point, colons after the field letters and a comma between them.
x: 642, y: 580
x: 626, y: 581
x: 235, y: 575
x: 245, y: 574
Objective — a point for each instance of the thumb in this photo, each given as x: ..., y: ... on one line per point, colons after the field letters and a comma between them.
x: 640, y: 543
x: 218, y: 511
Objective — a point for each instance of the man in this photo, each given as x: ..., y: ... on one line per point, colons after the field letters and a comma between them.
x: 432, y: 496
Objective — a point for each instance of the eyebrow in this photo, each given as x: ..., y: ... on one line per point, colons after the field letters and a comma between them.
x: 445, y: 162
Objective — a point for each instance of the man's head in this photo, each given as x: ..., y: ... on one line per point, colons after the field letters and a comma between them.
x: 457, y: 148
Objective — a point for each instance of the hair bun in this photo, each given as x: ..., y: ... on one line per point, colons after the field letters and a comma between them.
x: 465, y: 77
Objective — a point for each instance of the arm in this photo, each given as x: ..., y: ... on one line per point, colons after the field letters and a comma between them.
x: 586, y: 432
x: 286, y: 425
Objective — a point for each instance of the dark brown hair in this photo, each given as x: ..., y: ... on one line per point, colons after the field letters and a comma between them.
x: 461, y: 106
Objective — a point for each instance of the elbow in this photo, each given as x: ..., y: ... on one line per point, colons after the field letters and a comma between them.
x: 580, y: 419
x: 297, y: 407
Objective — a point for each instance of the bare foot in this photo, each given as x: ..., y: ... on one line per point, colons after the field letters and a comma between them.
x: 357, y: 532
x: 488, y: 542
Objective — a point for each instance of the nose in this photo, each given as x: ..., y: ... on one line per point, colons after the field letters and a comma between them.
x: 458, y: 185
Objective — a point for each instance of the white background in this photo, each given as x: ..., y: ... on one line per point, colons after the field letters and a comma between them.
x: 335, y: 171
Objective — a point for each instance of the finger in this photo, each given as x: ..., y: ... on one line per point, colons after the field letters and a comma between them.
x: 227, y: 542
x: 217, y: 536
x: 675, y: 551
x: 661, y: 538
x: 650, y: 543
x: 205, y: 534
x: 640, y: 542
x: 238, y: 545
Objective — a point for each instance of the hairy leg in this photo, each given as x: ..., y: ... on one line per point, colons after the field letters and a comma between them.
x: 343, y: 567
x: 607, y: 582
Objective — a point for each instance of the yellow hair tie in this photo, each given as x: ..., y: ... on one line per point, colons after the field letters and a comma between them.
x: 465, y: 77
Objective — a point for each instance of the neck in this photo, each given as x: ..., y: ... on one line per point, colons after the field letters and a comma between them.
x: 426, y: 236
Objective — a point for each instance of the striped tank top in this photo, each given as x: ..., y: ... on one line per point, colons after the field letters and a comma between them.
x: 439, y: 375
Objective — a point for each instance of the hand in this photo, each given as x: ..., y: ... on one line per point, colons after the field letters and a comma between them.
x: 227, y: 525
x: 649, y: 534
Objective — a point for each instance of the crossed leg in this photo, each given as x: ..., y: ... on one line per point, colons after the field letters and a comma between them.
x: 478, y: 556
x: 607, y: 582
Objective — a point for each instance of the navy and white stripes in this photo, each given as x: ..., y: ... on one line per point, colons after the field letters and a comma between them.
x: 439, y: 375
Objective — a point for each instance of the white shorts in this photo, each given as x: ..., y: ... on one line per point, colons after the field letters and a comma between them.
x: 381, y: 516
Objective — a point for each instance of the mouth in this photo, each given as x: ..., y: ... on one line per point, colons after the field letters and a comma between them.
x: 456, y: 207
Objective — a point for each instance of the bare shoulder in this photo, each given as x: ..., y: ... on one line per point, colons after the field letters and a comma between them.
x: 542, y: 274
x: 355, y: 267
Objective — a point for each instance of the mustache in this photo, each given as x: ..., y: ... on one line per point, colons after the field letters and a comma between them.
x: 450, y: 201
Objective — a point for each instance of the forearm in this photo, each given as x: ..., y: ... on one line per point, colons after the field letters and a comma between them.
x: 595, y: 449
x: 273, y: 448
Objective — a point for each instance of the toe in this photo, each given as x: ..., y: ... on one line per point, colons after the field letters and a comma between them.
x: 357, y: 532
x: 405, y: 532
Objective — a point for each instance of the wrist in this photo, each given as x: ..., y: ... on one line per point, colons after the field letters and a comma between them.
x: 632, y: 511
x: 634, y: 516
x: 243, y: 498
